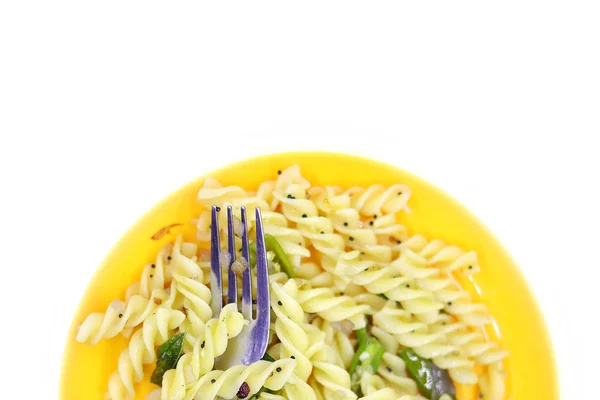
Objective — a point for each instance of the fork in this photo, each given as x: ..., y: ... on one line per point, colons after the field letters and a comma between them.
x: 250, y: 345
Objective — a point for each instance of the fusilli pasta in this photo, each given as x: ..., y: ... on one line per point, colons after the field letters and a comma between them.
x: 358, y: 273
x: 207, y: 347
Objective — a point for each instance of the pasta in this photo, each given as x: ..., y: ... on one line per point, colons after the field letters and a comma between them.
x: 196, y: 302
x: 340, y: 342
x: 366, y: 293
x: 294, y: 340
x: 207, y: 347
x: 257, y: 375
x: 492, y: 383
x: 393, y: 374
x: 327, y: 305
x: 334, y: 379
x: 141, y: 350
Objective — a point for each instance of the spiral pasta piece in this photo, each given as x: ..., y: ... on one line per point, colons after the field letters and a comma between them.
x: 195, y: 296
x: 213, y: 193
x: 298, y: 340
x: 417, y: 301
x: 396, y: 281
x: 154, y: 275
x: 387, y: 226
x: 393, y: 372
x: 155, y: 330
x: 184, y: 261
x: 265, y: 192
x: 329, y: 379
x: 270, y: 396
x: 119, y: 316
x: 385, y: 394
x: 428, y: 341
x: 271, y: 375
x: 387, y: 340
x: 291, y: 240
x: 289, y: 327
x: 342, y: 347
x: 470, y: 313
x: 297, y: 389
x: 397, y: 321
x: 330, y: 307
x: 377, y: 236
x: 317, y: 388
x: 381, y: 394
x: 441, y: 256
x: 492, y: 383
x: 329, y: 198
x: 207, y: 347
x: 196, y: 303
x: 447, y: 353
x: 378, y: 199
x: 290, y: 181
x: 455, y: 300
x: 334, y: 379
x: 318, y: 230
x: 314, y: 275
x: 472, y: 343
x: 373, y: 387
x: 142, y: 297
x: 359, y: 235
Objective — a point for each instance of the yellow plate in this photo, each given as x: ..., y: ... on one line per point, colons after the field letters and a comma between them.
x: 530, y: 367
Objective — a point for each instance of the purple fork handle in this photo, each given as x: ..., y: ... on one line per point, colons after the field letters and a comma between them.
x: 246, y: 275
x: 259, y: 336
x: 263, y: 302
x: 216, y: 283
x: 232, y: 281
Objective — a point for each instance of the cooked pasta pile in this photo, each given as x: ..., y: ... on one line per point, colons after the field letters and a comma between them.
x: 360, y: 280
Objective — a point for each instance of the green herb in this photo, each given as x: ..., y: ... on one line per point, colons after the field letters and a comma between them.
x: 271, y: 244
x: 374, y: 350
x: 167, y: 356
x: 433, y: 382
x: 361, y: 335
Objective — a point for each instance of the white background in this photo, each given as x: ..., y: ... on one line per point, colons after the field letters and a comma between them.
x: 106, y: 107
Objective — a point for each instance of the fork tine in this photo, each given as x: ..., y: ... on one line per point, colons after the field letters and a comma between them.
x: 246, y: 275
x: 262, y: 277
x: 216, y: 284
x: 232, y: 279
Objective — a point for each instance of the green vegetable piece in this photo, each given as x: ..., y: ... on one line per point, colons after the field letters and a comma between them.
x: 267, y: 357
x: 271, y: 244
x: 167, y: 356
x: 433, y: 382
x: 361, y: 335
x: 360, y: 363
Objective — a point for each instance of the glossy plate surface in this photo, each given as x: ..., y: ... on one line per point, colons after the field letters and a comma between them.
x: 531, y: 366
